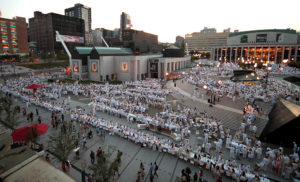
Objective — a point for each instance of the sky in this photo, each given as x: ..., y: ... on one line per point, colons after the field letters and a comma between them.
x: 169, y: 18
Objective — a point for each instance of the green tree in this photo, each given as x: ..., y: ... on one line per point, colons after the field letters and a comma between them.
x: 9, y: 112
x: 62, y: 144
x: 104, y: 168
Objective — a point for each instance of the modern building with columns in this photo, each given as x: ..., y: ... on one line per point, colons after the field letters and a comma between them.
x: 163, y: 66
x: 111, y: 63
x: 271, y: 45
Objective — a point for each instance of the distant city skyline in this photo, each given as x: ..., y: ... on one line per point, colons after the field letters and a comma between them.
x: 167, y: 19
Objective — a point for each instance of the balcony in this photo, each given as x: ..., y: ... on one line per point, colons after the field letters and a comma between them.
x: 4, y: 42
x: 13, y: 31
x: 3, y: 30
x: 15, y: 48
x: 14, y: 26
x: 14, y: 42
x: 3, y: 25
x: 4, y: 36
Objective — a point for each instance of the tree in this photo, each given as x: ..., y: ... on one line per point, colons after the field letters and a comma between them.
x: 32, y: 135
x: 104, y: 168
x: 10, y: 112
x: 62, y: 144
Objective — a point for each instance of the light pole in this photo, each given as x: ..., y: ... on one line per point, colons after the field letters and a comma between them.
x: 269, y: 68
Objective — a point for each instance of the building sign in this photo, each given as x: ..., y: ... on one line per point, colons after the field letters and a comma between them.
x: 244, y: 38
x: 124, y: 67
x: 75, y: 66
x: 279, y: 37
x: 94, y: 66
x: 261, y: 38
x: 154, y: 67
x: 69, y: 38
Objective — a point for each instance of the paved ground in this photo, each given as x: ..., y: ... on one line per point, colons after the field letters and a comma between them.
x: 169, y: 166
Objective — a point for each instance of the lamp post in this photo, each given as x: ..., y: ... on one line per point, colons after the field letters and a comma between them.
x: 269, y: 68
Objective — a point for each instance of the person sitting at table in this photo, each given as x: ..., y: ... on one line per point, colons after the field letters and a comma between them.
x: 243, y: 177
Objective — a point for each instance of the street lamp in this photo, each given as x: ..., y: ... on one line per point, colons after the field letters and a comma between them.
x: 205, y: 87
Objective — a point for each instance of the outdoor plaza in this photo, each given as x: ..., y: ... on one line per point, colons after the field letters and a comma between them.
x: 171, y: 124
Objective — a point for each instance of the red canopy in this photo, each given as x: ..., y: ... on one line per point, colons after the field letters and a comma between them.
x: 34, y: 86
x: 26, y: 132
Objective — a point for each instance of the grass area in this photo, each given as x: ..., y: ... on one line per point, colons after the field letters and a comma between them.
x: 46, y: 65
x: 65, y: 80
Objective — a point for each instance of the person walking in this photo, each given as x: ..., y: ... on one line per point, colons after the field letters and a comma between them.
x: 92, y: 156
x: 151, y: 168
x: 31, y: 116
x: 37, y: 111
x: 40, y: 120
x: 155, y: 169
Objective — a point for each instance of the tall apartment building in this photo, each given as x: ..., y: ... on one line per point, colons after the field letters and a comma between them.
x: 13, y: 36
x: 205, y: 39
x: 85, y: 13
x: 42, y: 29
x: 125, y: 23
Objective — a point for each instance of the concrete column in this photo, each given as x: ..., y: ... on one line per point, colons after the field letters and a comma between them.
x: 221, y: 54
x: 135, y: 70
x: 261, y: 53
x: 290, y: 52
x: 235, y: 57
x: 255, y: 53
x: 276, y: 54
x: 242, y: 49
x: 225, y: 53
x: 282, y: 55
x: 296, y: 53
x: 248, y: 53
x: 269, y: 53
x: 217, y: 58
x: 230, y: 54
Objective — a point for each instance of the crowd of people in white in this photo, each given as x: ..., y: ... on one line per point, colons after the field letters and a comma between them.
x: 209, y: 78
x: 132, y: 100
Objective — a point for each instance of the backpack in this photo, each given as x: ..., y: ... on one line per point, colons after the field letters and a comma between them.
x: 156, y: 167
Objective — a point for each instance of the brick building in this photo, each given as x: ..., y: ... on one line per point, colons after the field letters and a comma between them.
x: 13, y: 36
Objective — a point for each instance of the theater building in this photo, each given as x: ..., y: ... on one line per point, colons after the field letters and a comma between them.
x: 270, y: 45
x: 112, y: 63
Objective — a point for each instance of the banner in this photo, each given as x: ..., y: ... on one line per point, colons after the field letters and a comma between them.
x: 69, y: 38
x: 94, y: 66
x: 75, y: 66
x: 261, y: 38
x: 124, y: 67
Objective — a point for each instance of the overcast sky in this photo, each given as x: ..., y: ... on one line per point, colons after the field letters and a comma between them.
x: 169, y: 18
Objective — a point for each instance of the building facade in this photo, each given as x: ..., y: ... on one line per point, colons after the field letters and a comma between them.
x: 270, y: 45
x: 179, y: 42
x: 85, y: 13
x: 97, y: 40
x: 139, y: 41
x: 161, y: 67
x: 111, y: 63
x: 42, y: 29
x: 13, y: 36
x: 206, y: 39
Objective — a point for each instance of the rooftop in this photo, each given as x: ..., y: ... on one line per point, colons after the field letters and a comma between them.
x: 291, y: 31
